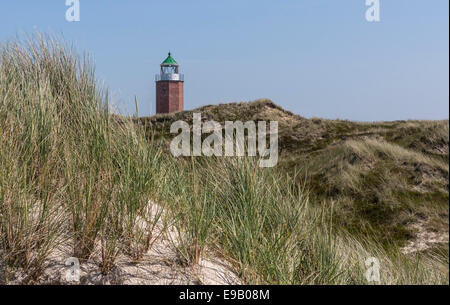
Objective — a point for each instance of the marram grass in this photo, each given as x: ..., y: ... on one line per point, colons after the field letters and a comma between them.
x: 70, y: 171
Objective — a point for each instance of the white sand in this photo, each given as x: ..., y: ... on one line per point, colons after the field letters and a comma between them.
x: 159, y: 266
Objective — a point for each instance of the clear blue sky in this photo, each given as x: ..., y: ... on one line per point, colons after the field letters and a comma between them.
x: 314, y: 57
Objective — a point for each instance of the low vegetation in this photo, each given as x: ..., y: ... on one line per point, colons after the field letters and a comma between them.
x: 382, y: 177
x: 70, y: 172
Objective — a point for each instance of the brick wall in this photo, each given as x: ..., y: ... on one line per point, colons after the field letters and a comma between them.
x: 169, y: 96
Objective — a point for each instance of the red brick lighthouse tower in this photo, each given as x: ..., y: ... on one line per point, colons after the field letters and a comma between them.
x: 169, y: 87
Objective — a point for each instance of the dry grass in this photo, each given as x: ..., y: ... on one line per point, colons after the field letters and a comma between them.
x: 68, y: 170
x: 374, y: 149
x: 71, y: 172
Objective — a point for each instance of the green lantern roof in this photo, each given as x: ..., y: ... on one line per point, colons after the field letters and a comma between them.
x: 169, y: 61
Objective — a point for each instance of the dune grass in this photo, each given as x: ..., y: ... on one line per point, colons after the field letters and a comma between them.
x: 69, y: 170
x: 263, y: 223
x: 380, y: 187
x: 72, y: 172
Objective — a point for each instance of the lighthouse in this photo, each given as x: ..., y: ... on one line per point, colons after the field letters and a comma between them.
x: 169, y: 87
